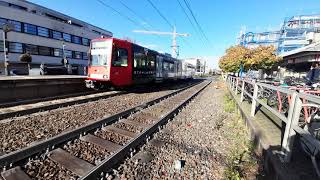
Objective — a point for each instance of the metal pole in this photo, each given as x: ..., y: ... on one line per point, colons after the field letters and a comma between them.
x: 204, y: 68
x: 242, y: 91
x: 63, y: 54
x: 174, y: 43
x: 232, y: 83
x: 5, y: 52
x: 289, y: 134
x: 254, y: 97
x: 237, y: 82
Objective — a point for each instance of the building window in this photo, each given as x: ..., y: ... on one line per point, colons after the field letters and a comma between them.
x: 76, y: 39
x: 44, y: 32
x: 85, y: 56
x: 16, y: 25
x: 77, y: 55
x: 30, y: 29
x: 96, y: 31
x: 85, y: 41
x: 32, y: 49
x: 55, y: 17
x: 15, y: 47
x: 18, y: 7
x: 57, y: 52
x: 45, y: 51
x: 67, y: 37
x: 56, y: 35
x: 68, y: 53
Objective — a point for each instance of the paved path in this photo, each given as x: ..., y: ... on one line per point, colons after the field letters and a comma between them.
x: 266, y: 129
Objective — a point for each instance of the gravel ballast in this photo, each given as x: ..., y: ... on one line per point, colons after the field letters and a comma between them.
x: 197, y: 144
x: 23, y: 131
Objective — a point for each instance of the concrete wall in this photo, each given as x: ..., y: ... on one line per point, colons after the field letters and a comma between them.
x: 36, y: 59
x: 25, y: 89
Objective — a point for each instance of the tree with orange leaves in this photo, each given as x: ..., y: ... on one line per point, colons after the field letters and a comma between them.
x: 262, y: 57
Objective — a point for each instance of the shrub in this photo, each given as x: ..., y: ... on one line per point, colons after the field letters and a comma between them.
x: 26, y: 58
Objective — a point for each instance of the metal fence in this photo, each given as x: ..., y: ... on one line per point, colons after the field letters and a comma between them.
x: 298, y: 108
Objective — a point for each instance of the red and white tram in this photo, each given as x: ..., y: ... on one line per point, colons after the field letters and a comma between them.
x: 115, y: 62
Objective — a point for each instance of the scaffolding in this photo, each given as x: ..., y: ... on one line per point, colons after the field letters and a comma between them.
x: 296, y: 32
x: 252, y: 40
x: 299, y: 31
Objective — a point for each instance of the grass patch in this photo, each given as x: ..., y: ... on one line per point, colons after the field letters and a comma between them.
x: 242, y: 162
x: 229, y: 104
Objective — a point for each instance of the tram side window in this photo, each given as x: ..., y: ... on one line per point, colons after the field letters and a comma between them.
x: 171, y: 67
x: 120, y: 58
x: 139, y: 60
x: 150, y: 61
x: 136, y: 60
x: 166, y: 66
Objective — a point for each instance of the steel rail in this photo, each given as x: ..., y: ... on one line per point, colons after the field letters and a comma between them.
x: 124, y: 152
x: 64, y: 103
x: 29, y: 101
x: 8, y: 160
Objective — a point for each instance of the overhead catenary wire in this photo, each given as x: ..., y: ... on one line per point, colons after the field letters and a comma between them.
x: 196, y: 21
x: 122, y: 15
x: 158, y: 11
x: 194, y: 27
x: 165, y: 19
x: 134, y: 12
x: 125, y: 16
x: 132, y: 20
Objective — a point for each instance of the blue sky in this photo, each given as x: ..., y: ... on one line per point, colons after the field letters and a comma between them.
x: 221, y: 20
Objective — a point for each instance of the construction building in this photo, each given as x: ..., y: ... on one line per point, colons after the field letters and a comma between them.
x: 252, y: 40
x: 296, y: 32
x: 299, y: 31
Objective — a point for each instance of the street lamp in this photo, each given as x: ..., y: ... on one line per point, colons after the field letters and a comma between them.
x: 65, y: 60
x: 5, y: 29
x: 63, y: 52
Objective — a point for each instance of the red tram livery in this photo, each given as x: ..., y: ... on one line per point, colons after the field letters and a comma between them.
x: 115, y: 62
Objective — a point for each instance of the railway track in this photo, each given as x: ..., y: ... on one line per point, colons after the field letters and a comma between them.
x: 23, y: 109
x: 36, y: 100
x: 20, y: 132
x: 90, y: 151
x: 17, y: 109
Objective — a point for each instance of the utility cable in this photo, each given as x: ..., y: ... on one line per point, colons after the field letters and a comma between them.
x: 194, y: 27
x: 158, y: 11
x: 195, y: 19
x: 122, y: 15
